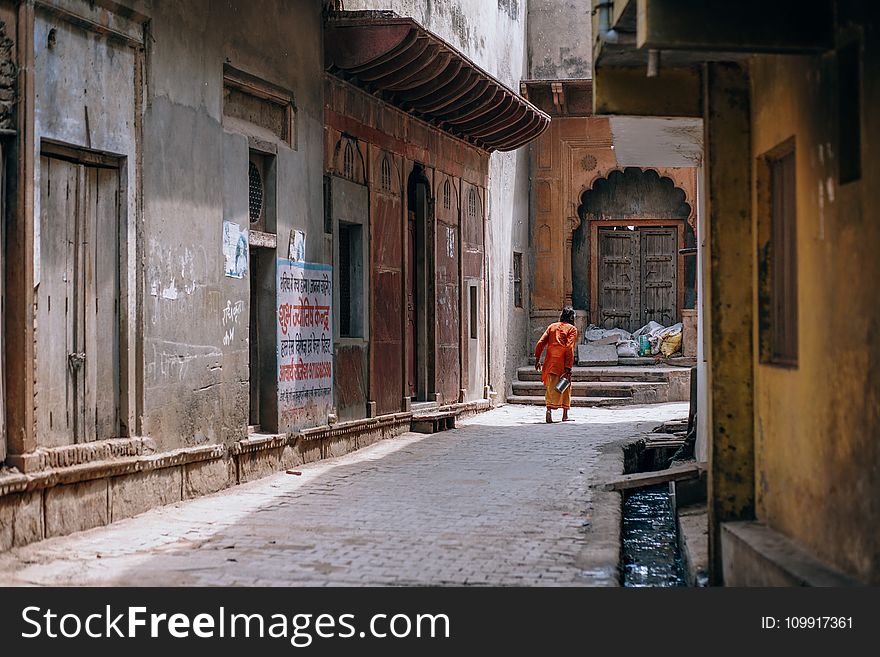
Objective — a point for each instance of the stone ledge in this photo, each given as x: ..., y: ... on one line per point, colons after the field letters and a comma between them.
x: 755, y: 555
x: 353, y: 426
x: 259, y: 441
x: 45, y: 458
x: 16, y: 482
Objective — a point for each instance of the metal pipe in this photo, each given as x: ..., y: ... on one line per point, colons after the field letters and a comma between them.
x: 606, y: 34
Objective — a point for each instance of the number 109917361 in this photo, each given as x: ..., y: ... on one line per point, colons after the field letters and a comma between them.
x: 807, y: 623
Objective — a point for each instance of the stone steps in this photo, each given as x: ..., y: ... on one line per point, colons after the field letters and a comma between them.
x: 608, y: 385
x: 635, y: 374
x: 538, y: 400
x: 589, y: 388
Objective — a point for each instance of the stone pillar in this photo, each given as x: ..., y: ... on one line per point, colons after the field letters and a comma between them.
x: 730, y: 290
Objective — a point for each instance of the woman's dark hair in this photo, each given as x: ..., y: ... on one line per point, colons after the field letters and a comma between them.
x: 567, y: 315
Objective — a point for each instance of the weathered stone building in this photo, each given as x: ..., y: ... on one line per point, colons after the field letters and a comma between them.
x: 595, y: 211
x: 129, y: 342
x: 414, y: 200
x: 173, y: 172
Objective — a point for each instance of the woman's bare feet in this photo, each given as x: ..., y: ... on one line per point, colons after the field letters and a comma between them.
x: 565, y: 417
x: 549, y: 417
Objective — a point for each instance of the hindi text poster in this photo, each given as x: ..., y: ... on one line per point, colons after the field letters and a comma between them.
x: 305, y: 344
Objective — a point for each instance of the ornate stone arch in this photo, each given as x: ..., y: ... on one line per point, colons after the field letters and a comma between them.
x: 625, y: 193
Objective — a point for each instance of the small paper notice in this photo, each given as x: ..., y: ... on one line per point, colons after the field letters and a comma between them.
x: 235, y: 250
x: 296, y: 249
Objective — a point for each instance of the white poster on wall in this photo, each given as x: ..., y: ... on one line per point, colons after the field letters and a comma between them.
x: 297, y: 248
x: 235, y: 250
x: 305, y: 344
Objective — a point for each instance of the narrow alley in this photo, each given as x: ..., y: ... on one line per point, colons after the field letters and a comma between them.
x: 504, y: 499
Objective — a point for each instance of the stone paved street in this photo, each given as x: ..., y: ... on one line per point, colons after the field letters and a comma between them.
x: 504, y: 499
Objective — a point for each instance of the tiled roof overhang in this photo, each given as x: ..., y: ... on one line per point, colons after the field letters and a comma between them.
x: 407, y: 66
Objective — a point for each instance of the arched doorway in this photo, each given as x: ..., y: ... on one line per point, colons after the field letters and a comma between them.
x: 420, y: 287
x: 628, y: 263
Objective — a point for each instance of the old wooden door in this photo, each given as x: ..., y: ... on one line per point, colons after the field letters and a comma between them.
x: 619, y: 274
x: 658, y: 274
x: 78, y: 303
x: 411, y: 303
x: 637, y: 274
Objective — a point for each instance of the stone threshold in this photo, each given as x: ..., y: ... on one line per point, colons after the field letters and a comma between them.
x: 753, y: 554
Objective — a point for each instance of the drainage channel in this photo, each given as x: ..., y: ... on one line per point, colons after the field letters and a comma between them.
x: 650, y: 554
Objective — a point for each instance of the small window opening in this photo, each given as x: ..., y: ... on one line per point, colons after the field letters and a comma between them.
x: 472, y: 203
x: 350, y: 281
x: 256, y: 192
x: 473, y: 311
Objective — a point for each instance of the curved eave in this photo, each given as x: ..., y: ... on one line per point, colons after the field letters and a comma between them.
x: 407, y: 66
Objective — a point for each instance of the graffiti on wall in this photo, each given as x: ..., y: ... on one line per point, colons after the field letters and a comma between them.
x: 305, y: 344
x: 230, y: 315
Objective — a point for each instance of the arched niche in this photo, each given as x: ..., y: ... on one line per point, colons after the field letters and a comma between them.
x: 642, y: 197
x: 348, y: 160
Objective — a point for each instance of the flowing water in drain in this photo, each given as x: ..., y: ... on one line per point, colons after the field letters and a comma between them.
x: 650, y: 541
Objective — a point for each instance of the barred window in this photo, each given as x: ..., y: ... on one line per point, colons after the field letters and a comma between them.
x: 472, y: 203
x: 255, y: 193
x: 447, y: 195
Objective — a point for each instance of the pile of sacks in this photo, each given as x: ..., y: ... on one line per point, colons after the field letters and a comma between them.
x: 665, y: 340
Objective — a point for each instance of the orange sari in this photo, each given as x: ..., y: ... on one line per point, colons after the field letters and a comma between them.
x: 559, y: 339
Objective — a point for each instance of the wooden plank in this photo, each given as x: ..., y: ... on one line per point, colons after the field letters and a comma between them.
x: 54, y: 326
x: 83, y: 342
x: 642, y: 479
x: 103, y: 308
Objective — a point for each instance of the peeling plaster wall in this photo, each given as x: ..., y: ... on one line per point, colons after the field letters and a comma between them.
x: 560, y: 39
x: 196, y: 319
x: 492, y: 33
x: 817, y: 453
x: 184, y: 176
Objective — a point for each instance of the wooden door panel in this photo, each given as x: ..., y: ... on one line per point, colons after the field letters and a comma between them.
x: 658, y: 262
x: 618, y: 279
x: 102, y: 306
x: 59, y: 191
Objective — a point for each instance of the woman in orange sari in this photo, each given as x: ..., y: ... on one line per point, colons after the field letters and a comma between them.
x: 559, y: 339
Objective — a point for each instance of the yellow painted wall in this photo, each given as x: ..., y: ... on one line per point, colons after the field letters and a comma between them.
x: 817, y: 427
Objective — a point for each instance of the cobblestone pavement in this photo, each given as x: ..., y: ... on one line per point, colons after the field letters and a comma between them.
x: 502, y: 500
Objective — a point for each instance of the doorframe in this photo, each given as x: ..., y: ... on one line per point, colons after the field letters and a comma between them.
x: 425, y: 343
x: 127, y: 309
x: 596, y: 224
